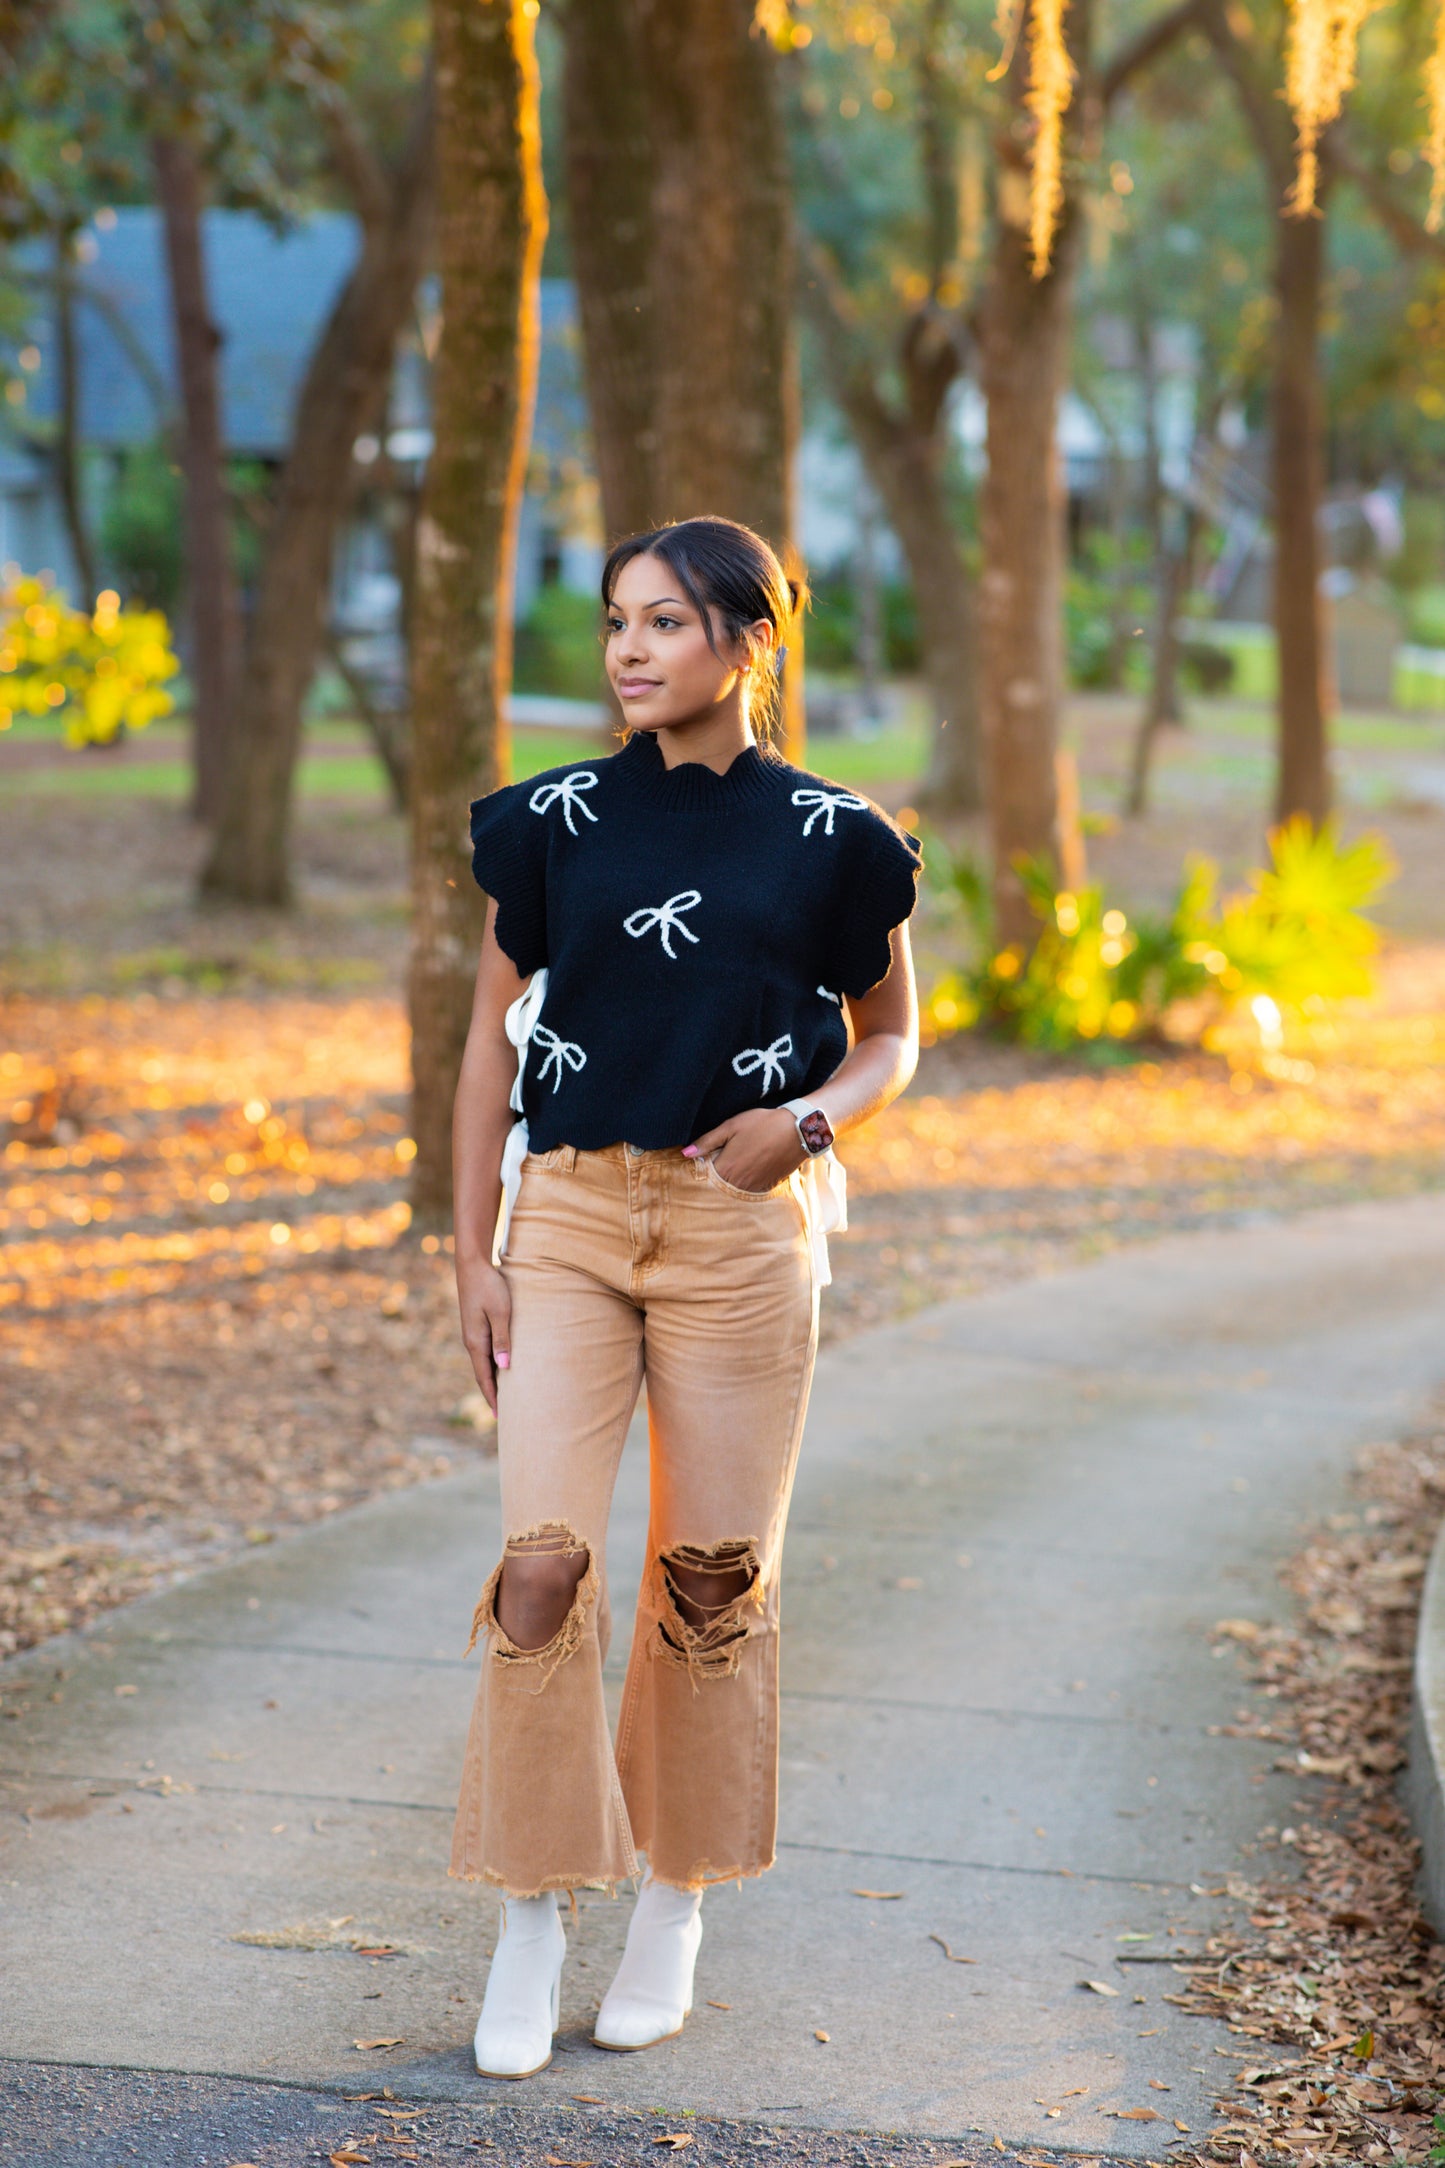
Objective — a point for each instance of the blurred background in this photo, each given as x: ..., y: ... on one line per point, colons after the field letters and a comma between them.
x: 1092, y: 362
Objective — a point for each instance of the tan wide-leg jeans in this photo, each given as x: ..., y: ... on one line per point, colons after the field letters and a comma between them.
x: 625, y: 1264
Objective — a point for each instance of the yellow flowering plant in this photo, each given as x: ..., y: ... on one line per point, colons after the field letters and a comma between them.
x: 1295, y: 938
x: 97, y: 672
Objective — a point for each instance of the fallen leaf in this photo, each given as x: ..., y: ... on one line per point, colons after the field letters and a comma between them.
x: 719, y: 2006
x: 365, y: 2045
x: 677, y: 2139
x: 824, y: 2037
x: 1181, y: 2126
x: 1159, y: 2086
x: 402, y: 2115
x: 1074, y: 2092
x: 347, y: 2159
x: 590, y: 2100
x: 949, y: 1954
x: 884, y: 1896
x: 909, y: 1580
x: 1364, y: 2047
x: 1133, y: 2115
x: 558, y: 2162
x: 1098, y: 1987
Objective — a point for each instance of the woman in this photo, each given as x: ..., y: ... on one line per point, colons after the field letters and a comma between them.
x: 699, y: 917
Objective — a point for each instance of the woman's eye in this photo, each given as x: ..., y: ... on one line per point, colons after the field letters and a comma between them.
x: 614, y: 624
x: 664, y: 624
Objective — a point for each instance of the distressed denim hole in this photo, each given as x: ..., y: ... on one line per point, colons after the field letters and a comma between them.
x: 558, y: 1584
x: 705, y: 1595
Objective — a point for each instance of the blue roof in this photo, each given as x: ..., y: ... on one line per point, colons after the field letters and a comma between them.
x: 270, y: 295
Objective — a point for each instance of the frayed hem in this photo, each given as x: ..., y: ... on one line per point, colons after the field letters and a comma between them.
x: 555, y: 1884
x: 710, y: 1877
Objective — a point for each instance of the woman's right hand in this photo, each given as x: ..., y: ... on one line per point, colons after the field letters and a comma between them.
x: 485, y: 1301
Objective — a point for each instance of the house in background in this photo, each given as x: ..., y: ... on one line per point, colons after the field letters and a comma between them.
x: 270, y: 294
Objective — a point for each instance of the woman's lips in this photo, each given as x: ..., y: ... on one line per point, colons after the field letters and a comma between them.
x: 634, y: 688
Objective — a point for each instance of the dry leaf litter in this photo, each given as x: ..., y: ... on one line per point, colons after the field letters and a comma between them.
x: 1340, y: 1987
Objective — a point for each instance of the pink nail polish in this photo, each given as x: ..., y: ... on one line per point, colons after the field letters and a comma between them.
x: 504, y: 1362
x: 689, y: 1151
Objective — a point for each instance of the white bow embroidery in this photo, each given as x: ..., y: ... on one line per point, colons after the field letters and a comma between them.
x: 766, y: 1058
x: 827, y: 802
x: 558, y: 1052
x: 666, y: 918
x: 829, y: 997
x: 569, y: 790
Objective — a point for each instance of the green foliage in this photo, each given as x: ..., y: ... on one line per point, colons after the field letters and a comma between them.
x: 831, y: 633
x: 99, y: 673
x: 1296, y: 938
x: 141, y: 530
x: 559, y: 646
x: 1106, y: 604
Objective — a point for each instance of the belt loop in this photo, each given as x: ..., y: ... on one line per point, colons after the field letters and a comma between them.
x: 568, y: 1159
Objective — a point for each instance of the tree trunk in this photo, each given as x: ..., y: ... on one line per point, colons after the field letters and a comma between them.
x: 67, y: 437
x: 609, y: 200
x: 1298, y: 473
x: 943, y: 591
x: 679, y: 199
x: 493, y: 219
x: 388, y: 728
x: 722, y: 379
x: 904, y: 454
x: 1163, y: 704
x: 215, y: 606
x: 342, y: 396
x: 1026, y: 327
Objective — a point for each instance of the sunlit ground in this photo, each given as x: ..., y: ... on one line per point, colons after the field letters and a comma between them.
x: 213, y: 1320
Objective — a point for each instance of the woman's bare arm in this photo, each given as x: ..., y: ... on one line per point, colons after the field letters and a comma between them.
x: 481, y: 1120
x: 759, y: 1148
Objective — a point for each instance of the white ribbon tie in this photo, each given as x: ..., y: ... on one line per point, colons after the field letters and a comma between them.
x: 766, y: 1058
x: 836, y: 999
x: 569, y: 791
x: 665, y: 917
x: 826, y: 803
x: 560, y: 1052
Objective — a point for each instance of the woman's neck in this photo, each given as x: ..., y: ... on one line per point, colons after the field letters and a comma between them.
x: 714, y: 740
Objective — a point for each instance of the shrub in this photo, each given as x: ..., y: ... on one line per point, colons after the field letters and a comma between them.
x: 559, y: 646
x: 100, y: 673
x: 141, y: 531
x: 1296, y: 937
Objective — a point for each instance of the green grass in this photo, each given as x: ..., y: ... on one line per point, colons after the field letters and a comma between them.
x: 352, y: 771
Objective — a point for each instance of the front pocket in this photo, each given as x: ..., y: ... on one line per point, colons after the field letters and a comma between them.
x: 747, y: 1196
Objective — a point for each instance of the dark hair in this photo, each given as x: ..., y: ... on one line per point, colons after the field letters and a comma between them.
x: 731, y: 576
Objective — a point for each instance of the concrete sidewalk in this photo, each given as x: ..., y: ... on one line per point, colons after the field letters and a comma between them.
x: 1016, y: 1520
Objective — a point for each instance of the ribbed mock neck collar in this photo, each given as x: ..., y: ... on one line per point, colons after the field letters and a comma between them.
x: 692, y: 787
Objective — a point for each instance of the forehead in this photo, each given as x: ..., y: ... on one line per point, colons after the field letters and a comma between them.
x: 645, y: 579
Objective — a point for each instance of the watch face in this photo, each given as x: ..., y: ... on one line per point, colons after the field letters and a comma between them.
x: 814, y: 1131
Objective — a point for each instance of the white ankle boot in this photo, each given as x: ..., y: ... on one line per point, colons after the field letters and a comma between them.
x: 652, y: 1992
x: 519, y: 2009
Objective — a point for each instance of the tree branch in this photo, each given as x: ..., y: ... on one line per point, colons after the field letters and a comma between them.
x: 1261, y: 109
x: 357, y: 165
x: 850, y: 372
x: 1398, y: 220
x: 1145, y: 46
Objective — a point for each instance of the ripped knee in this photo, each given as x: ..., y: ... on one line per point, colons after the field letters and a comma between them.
x: 706, y: 1593
x: 534, y: 1606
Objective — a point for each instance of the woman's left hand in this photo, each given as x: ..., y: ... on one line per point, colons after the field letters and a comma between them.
x: 755, y: 1150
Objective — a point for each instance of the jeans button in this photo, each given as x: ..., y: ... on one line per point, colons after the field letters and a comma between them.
x: 635, y: 1150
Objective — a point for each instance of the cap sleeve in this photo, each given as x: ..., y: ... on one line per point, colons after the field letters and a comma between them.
x: 509, y: 864
x: 878, y: 892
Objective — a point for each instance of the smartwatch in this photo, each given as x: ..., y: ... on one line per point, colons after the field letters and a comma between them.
x: 813, y: 1126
